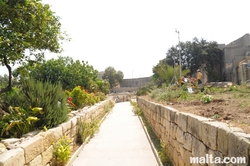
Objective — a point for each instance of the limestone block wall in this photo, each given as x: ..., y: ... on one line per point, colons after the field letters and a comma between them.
x: 36, y: 148
x: 188, y: 135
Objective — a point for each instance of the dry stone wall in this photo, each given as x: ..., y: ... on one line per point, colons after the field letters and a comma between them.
x: 36, y: 148
x: 187, y: 135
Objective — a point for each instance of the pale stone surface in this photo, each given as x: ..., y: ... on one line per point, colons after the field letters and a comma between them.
x: 180, y: 135
x: 175, y: 144
x: 171, y: 114
x: 209, y: 134
x: 36, y: 161
x: 47, y: 155
x: 202, y: 136
x: 194, y: 125
x: 32, y: 148
x: 188, y: 139
x: 2, y: 148
x: 214, y: 154
x: 181, y: 121
x: 222, y: 138
x: 182, y: 151
x: 237, y: 146
x: 66, y: 126
x: 48, y: 138
x: 120, y: 141
x: 198, y: 148
x: 14, y: 157
x: 74, y: 121
x: 57, y: 132
x: 186, y: 158
x: 173, y: 128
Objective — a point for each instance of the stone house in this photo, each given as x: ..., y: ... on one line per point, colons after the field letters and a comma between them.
x: 236, y: 60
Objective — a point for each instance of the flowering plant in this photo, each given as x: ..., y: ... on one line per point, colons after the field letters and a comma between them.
x: 207, y: 98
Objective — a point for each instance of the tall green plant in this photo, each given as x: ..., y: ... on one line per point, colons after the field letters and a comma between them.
x: 18, y: 121
x: 62, y: 150
x: 47, y: 96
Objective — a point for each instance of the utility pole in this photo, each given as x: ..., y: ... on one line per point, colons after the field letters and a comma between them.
x: 179, y: 49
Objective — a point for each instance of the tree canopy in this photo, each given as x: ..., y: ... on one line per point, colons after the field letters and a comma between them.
x: 26, y: 25
x: 196, y: 54
x: 65, y: 70
x: 112, y: 76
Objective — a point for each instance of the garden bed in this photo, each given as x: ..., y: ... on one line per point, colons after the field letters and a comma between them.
x: 231, y: 106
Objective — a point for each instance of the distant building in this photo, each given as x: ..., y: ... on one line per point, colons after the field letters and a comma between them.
x: 236, y: 60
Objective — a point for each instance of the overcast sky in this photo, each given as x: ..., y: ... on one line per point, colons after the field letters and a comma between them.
x: 133, y: 35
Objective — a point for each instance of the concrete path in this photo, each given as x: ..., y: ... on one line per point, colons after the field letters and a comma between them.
x: 121, y: 141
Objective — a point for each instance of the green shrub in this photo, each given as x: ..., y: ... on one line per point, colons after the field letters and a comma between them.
x: 86, y: 129
x: 62, y: 150
x: 50, y: 98
x: 18, y: 121
x: 78, y: 96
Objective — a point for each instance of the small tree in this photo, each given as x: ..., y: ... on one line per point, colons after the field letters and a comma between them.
x: 112, y: 76
x: 26, y: 25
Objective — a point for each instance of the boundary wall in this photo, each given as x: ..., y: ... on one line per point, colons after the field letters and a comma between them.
x: 187, y: 135
x: 37, y: 149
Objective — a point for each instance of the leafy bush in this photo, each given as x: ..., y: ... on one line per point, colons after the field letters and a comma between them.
x: 86, y: 129
x: 62, y: 150
x: 18, y: 121
x: 145, y: 89
x: 47, y: 96
x: 79, y: 97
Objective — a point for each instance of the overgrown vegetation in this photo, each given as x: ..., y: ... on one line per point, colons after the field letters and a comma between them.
x: 20, y: 105
x: 87, y: 128
x: 160, y: 146
x: 62, y: 150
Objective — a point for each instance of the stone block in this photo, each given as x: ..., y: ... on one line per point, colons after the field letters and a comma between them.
x: 180, y: 160
x: 164, y: 111
x: 57, y: 131
x: 182, y: 151
x: 167, y: 124
x: 180, y: 135
x: 209, y: 134
x: 47, y: 155
x: 73, y: 131
x: 194, y: 124
x: 32, y: 148
x: 181, y: 120
x: 173, y: 128
x: 188, y: 139
x: 74, y: 121
x: 36, y: 161
x: 222, y: 138
x: 238, y: 146
x: 198, y: 148
x: 175, y: 144
x: 14, y: 157
x: 171, y: 114
x: 66, y: 126
x: 48, y: 138
x: 212, y: 156
x: 186, y: 158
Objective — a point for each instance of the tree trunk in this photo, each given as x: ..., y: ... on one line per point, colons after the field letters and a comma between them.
x: 8, y: 88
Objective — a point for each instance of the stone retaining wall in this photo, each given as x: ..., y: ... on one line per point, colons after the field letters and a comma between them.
x: 188, y: 135
x: 36, y: 148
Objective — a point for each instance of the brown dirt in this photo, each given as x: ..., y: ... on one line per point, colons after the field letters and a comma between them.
x: 229, y: 107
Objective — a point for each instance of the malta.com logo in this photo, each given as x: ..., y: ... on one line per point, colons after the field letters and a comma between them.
x: 210, y: 159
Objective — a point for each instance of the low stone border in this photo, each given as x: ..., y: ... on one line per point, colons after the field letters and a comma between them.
x: 188, y: 135
x: 37, y: 147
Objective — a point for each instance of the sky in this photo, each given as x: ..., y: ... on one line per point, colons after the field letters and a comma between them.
x: 133, y: 35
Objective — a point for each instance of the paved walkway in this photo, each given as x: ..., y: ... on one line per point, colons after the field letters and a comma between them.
x: 121, y: 141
